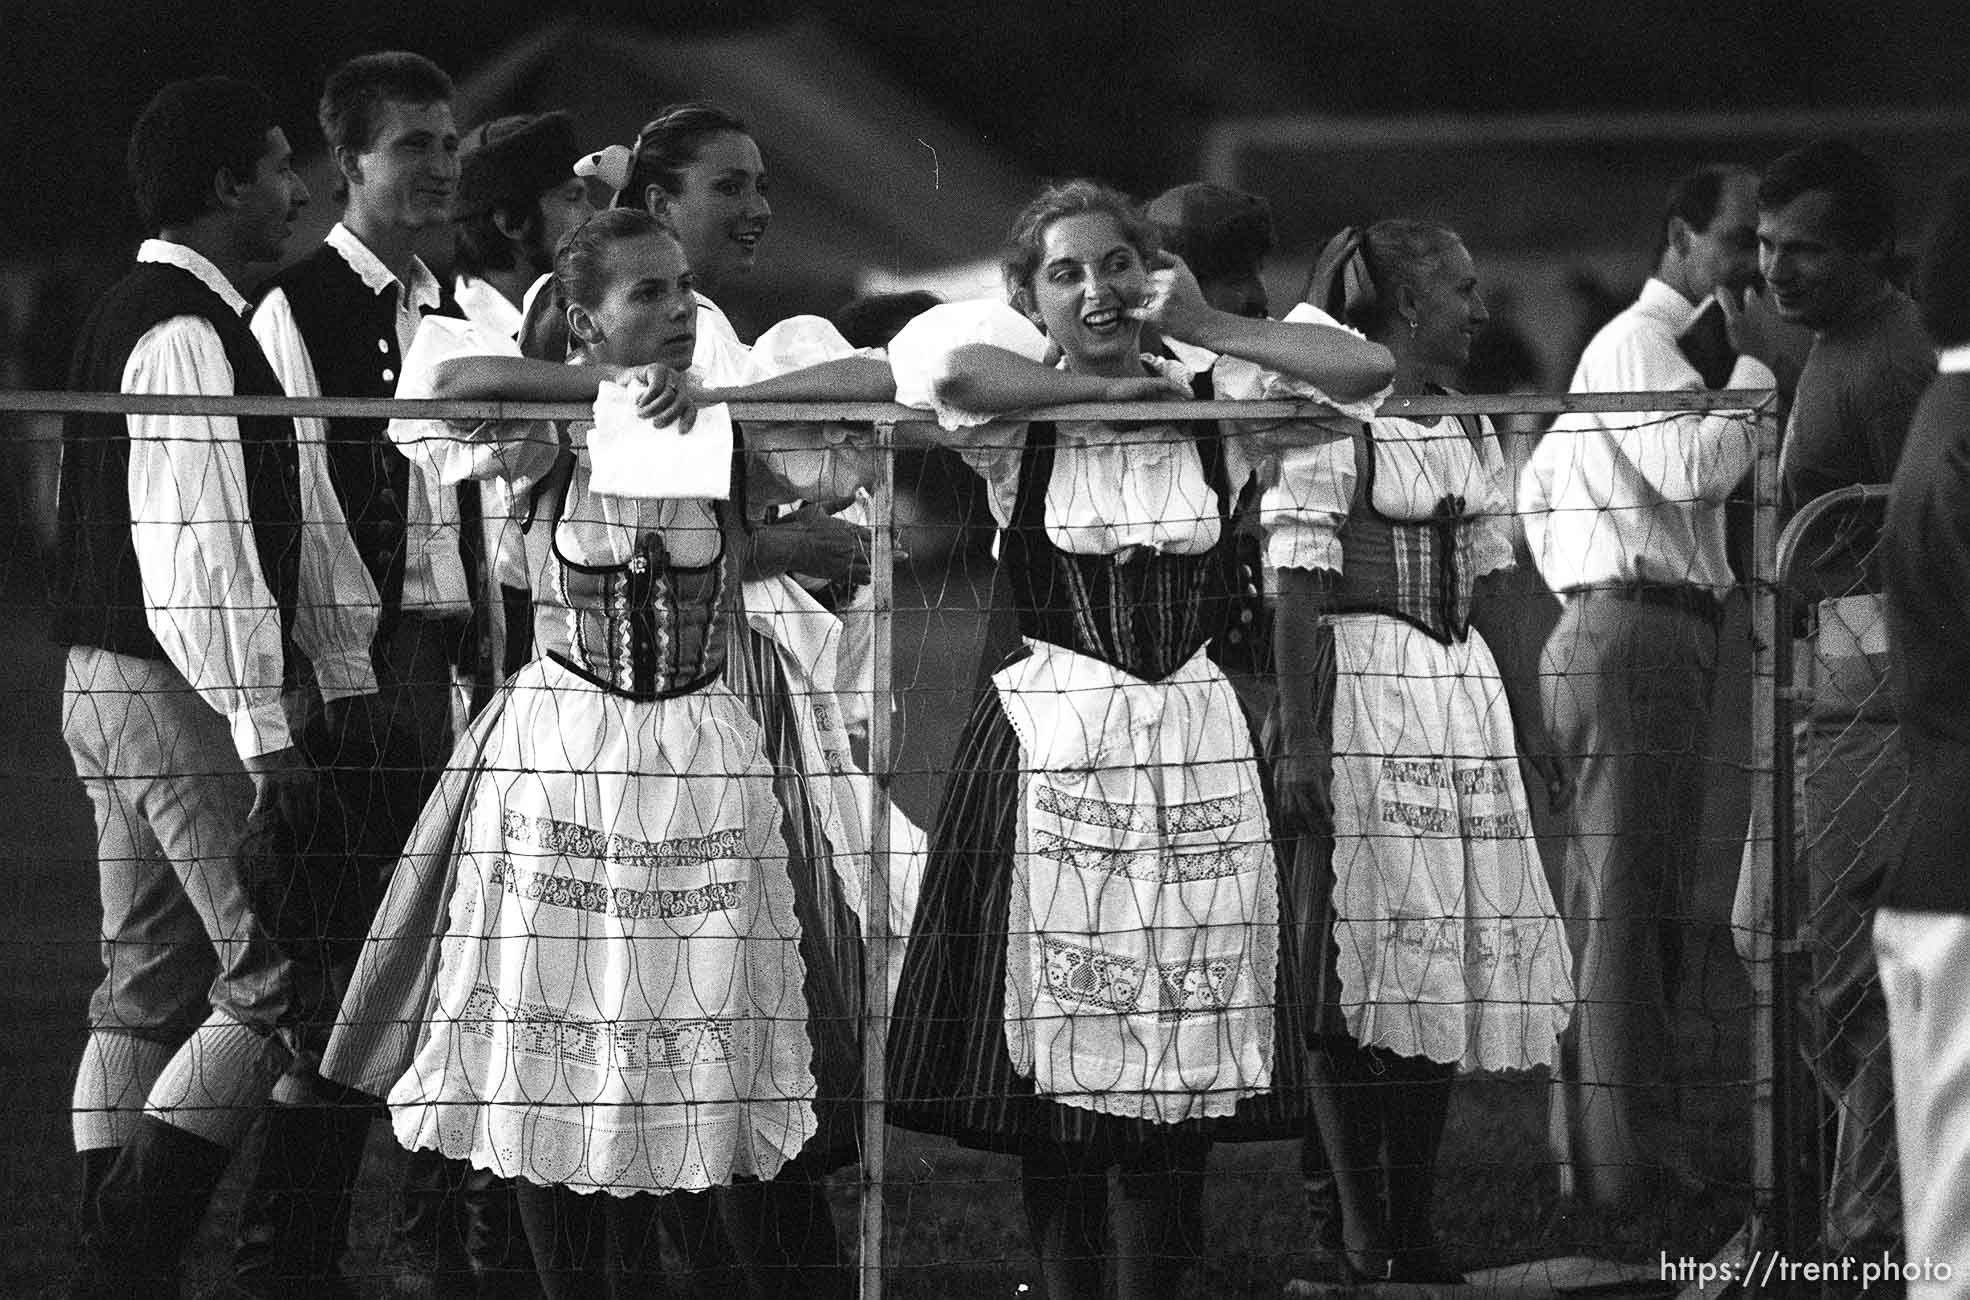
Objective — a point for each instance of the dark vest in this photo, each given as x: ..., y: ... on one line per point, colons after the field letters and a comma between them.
x: 351, y: 333
x: 1147, y: 614
x: 98, y: 594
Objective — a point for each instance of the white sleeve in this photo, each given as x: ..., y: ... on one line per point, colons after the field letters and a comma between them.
x: 1275, y: 386
x: 810, y: 462
x: 448, y: 453
x: 1682, y: 456
x: 1302, y: 512
x: 205, y: 596
x: 336, y: 619
x: 920, y: 354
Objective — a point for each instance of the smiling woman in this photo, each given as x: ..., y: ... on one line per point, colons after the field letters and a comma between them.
x: 1096, y: 973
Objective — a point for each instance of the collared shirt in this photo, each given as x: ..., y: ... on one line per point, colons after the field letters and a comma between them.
x: 1638, y: 496
x: 1953, y: 361
x: 487, y: 306
x: 208, y: 601
x: 434, y: 573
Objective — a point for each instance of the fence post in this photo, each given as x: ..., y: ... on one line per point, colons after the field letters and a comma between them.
x: 875, y: 903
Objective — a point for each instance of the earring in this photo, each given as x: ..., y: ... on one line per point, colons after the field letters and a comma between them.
x: 1412, y: 327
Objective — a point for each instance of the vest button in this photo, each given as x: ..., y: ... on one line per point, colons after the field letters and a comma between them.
x: 383, y: 345
x: 388, y: 374
x: 1245, y: 616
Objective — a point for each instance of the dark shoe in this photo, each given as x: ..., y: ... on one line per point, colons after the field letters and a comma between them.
x: 1423, y: 1264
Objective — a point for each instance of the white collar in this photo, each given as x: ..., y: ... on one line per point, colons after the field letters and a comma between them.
x: 198, y: 264
x: 1953, y: 361
x: 1659, y: 300
x: 423, y: 290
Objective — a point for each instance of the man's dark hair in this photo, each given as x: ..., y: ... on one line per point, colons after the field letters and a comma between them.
x: 1863, y: 211
x: 1942, y: 277
x: 1694, y: 197
x: 872, y: 319
x: 353, y: 90
x: 188, y: 133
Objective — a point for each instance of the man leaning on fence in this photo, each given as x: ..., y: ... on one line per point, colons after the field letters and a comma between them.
x: 1625, y: 519
x: 1826, y: 232
x: 1922, y: 927
x: 198, y: 553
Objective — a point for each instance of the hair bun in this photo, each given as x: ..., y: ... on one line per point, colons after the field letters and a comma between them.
x: 610, y: 166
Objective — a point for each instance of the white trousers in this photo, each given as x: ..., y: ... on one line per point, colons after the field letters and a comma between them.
x: 1923, y: 957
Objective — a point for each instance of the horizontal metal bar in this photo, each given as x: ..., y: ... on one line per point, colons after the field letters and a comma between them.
x: 1739, y: 399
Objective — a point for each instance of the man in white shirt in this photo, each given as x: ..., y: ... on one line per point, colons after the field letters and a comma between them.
x: 518, y: 197
x: 1625, y: 519
x: 339, y: 322
x: 198, y: 554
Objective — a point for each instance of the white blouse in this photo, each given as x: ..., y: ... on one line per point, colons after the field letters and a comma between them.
x: 1416, y: 466
x: 785, y: 461
x: 1113, y: 486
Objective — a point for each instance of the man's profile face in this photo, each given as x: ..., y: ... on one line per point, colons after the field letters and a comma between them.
x: 409, y: 171
x: 1725, y: 256
x: 269, y: 201
x: 1815, y: 281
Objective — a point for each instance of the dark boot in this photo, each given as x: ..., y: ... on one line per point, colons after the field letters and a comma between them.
x: 1328, y: 1265
x: 425, y: 1251
x: 1419, y: 1105
x: 495, y: 1240
x: 95, y: 1166
x: 148, y: 1205
x: 294, y: 1222
x: 1348, y: 1109
x: 1067, y: 1214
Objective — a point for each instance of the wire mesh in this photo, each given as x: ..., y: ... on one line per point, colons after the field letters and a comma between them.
x: 932, y: 1216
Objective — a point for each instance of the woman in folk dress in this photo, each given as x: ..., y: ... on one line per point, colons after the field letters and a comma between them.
x: 1399, y: 763
x: 1094, y: 975
x: 616, y: 1005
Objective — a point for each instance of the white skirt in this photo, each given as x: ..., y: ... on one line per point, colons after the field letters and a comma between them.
x: 618, y: 1003
x: 1450, y: 946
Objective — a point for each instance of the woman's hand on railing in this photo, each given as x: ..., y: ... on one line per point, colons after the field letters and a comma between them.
x: 665, y: 396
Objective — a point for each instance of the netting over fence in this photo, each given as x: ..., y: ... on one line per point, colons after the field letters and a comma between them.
x: 892, y: 908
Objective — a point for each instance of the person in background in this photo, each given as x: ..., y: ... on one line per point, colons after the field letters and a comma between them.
x: 1922, y: 916
x: 1099, y: 976
x: 338, y: 323
x: 1624, y: 515
x: 199, y: 557
x: 518, y: 198
x: 1826, y: 232
x: 1435, y: 939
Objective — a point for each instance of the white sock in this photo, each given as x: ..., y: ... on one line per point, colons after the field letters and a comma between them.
x: 217, y: 1082
x: 115, y: 1076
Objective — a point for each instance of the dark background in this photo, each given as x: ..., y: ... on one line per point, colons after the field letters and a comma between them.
x: 1123, y: 91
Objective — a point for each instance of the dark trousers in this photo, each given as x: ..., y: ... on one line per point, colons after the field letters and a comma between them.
x: 1627, y: 690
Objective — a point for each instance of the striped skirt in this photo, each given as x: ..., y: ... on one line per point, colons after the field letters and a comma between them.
x: 830, y: 935
x: 949, y: 1072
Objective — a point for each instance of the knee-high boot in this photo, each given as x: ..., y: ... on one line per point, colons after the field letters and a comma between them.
x: 1418, y: 1107
x: 1067, y: 1214
x: 1348, y: 1106
x: 294, y: 1223
x: 147, y: 1208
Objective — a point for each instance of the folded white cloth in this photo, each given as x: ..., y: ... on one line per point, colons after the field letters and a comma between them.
x: 635, y: 458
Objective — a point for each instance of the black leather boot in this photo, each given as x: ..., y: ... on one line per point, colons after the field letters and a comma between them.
x: 294, y: 1222
x: 147, y: 1207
